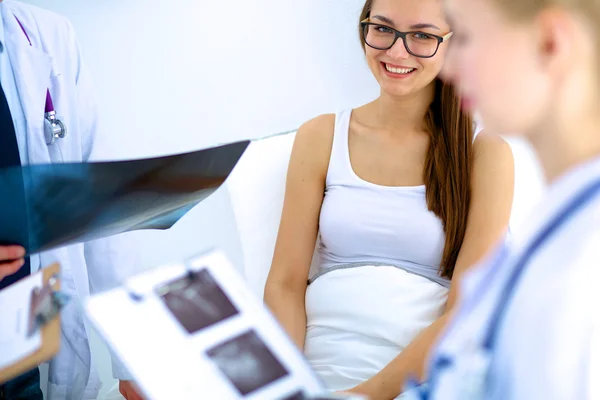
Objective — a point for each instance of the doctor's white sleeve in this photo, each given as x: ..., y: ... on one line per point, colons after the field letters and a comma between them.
x: 573, y: 360
x: 109, y: 264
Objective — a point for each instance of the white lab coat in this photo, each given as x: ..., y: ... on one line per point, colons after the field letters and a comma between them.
x: 548, y: 342
x: 54, y: 62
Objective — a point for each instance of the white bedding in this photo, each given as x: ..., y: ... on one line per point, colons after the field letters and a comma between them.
x: 360, y: 318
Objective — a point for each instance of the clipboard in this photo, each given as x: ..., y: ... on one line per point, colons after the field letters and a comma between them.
x: 45, y: 306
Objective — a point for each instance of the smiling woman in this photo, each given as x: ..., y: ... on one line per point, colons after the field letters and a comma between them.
x: 400, y: 200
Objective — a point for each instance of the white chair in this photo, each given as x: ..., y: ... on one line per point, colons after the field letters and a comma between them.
x: 257, y: 188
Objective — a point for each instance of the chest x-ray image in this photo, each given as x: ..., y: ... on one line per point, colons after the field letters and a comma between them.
x: 197, y: 301
x: 45, y: 206
x: 247, y: 362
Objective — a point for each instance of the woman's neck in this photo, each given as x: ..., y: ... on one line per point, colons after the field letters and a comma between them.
x: 402, y: 113
x: 564, y: 146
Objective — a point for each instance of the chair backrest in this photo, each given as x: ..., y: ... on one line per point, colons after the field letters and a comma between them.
x: 257, y: 189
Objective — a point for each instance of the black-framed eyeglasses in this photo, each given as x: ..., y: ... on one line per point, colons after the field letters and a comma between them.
x: 419, y: 44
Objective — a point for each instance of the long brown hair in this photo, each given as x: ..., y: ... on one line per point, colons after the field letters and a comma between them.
x: 447, y: 172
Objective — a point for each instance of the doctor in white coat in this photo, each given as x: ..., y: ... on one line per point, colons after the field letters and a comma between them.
x: 527, y: 325
x: 39, y: 53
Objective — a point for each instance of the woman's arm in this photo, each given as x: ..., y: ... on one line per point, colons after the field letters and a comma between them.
x: 286, y: 284
x: 492, y: 190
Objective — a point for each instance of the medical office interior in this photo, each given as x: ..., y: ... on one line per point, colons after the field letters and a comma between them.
x: 182, y: 75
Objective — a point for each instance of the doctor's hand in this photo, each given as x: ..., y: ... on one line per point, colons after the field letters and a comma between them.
x: 128, y: 389
x: 11, y: 259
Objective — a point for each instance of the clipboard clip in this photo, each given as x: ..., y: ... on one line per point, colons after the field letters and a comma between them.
x: 45, y: 305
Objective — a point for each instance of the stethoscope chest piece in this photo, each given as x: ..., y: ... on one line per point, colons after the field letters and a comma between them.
x: 53, y: 128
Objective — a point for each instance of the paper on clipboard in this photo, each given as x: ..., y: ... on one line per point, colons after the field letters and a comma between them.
x: 15, y: 342
x: 29, y: 318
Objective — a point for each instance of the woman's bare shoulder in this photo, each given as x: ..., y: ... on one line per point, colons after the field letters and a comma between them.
x: 314, y: 141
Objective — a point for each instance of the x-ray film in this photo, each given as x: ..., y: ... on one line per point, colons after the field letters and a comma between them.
x: 48, y: 206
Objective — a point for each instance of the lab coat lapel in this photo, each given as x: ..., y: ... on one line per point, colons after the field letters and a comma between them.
x: 34, y: 71
x: 32, y: 68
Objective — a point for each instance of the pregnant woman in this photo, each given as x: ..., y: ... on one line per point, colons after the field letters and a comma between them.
x: 400, y: 199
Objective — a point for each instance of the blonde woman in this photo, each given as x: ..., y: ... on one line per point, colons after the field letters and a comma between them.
x: 528, y: 326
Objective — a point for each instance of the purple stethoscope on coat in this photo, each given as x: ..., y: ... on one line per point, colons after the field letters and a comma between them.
x: 53, y: 127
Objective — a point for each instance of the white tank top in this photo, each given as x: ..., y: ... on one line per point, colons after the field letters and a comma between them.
x: 362, y: 223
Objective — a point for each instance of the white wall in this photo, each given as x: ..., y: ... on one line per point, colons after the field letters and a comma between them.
x: 183, y: 74
x: 180, y: 75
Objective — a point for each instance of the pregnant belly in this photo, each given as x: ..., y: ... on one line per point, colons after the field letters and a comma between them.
x: 360, y: 318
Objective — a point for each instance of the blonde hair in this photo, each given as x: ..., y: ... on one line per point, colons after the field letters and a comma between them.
x: 528, y: 9
x: 587, y: 10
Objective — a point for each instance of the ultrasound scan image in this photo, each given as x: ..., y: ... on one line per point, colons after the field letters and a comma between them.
x: 247, y: 363
x: 197, y: 301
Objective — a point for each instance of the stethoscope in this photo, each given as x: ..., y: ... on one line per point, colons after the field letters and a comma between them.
x: 53, y: 127
x: 474, y: 379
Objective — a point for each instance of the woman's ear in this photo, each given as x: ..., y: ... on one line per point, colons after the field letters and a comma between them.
x: 556, y: 36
